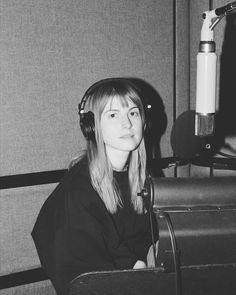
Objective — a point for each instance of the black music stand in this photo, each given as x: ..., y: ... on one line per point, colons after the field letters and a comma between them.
x: 207, y: 280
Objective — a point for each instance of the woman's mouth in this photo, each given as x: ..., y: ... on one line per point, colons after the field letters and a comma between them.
x: 127, y: 135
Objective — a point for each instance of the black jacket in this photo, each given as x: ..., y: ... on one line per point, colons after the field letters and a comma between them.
x: 74, y: 233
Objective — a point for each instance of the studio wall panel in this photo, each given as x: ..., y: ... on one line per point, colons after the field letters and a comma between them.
x: 182, y: 57
x: 19, y: 210
x: 40, y: 288
x: 51, y: 51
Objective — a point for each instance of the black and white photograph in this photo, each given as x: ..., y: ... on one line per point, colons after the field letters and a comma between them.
x: 117, y: 147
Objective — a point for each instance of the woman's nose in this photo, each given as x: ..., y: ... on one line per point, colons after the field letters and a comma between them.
x: 126, y: 122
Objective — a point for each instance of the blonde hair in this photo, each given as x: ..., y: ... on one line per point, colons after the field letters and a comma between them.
x: 100, y: 167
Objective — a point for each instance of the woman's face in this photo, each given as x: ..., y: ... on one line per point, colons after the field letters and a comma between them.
x: 121, y: 126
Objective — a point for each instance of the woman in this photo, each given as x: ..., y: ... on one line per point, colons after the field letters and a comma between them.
x: 94, y: 219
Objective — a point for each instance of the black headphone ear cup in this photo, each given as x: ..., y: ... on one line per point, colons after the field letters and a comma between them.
x: 87, y: 125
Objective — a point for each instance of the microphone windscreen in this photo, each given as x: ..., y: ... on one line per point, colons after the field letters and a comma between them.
x: 185, y: 144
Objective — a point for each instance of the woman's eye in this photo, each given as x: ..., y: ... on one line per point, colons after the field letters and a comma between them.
x: 134, y: 113
x: 113, y: 115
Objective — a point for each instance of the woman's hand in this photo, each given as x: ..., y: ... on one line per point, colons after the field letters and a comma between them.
x: 139, y: 264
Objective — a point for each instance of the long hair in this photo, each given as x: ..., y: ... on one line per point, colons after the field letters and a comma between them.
x: 100, y: 167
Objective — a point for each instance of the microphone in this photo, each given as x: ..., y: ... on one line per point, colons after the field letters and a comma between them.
x: 206, y: 79
x: 225, y: 9
x: 206, y: 89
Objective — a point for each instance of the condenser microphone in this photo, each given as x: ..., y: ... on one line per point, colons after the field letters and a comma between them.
x: 206, y: 89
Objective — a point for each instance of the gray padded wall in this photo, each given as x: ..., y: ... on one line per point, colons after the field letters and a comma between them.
x: 181, y: 74
x: 53, y: 50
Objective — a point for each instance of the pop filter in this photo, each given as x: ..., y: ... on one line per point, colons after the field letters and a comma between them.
x: 185, y: 144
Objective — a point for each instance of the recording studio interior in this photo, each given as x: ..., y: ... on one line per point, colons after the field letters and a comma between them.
x: 181, y: 54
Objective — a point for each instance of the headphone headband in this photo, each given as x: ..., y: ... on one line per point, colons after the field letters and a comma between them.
x: 96, y: 85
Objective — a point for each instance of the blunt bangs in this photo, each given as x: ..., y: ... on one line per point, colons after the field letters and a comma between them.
x: 121, y: 92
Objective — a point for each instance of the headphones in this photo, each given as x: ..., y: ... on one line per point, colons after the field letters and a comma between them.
x: 87, y: 124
